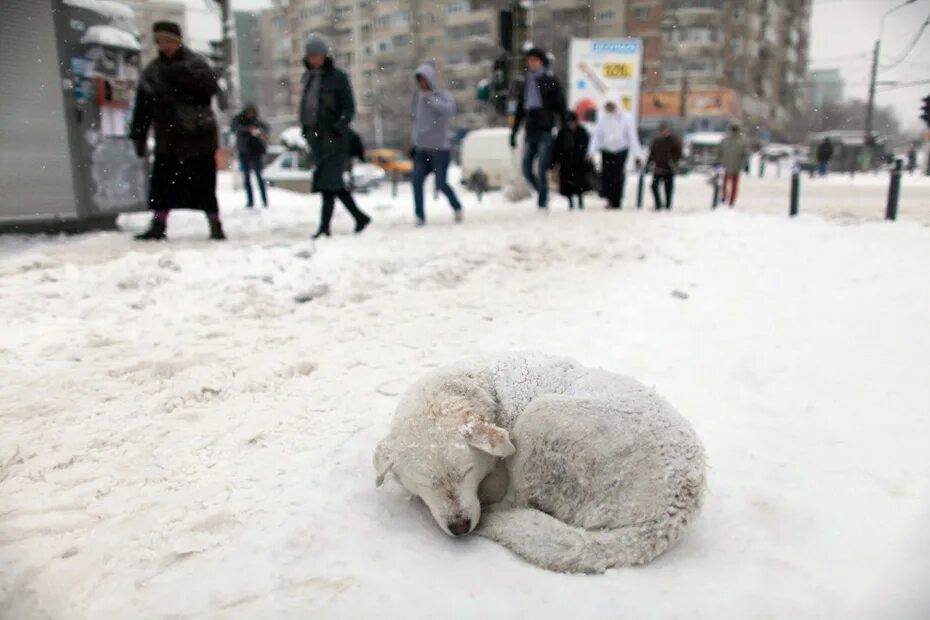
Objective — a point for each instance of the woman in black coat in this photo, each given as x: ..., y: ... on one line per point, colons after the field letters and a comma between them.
x: 174, y: 97
x: 326, y: 109
x: 570, y: 154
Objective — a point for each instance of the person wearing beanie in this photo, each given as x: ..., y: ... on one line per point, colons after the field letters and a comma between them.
x: 734, y: 155
x: 174, y: 99
x: 326, y: 109
x: 540, y: 105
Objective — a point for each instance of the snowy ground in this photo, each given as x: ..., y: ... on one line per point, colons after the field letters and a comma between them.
x: 183, y: 439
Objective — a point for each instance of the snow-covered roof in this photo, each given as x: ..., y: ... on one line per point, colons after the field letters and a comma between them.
x: 110, y: 36
x: 118, y: 13
x: 705, y: 137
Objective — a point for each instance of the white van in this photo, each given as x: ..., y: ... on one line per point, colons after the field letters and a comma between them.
x: 489, y: 149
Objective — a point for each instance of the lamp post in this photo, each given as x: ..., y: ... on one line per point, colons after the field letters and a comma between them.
x: 869, y: 111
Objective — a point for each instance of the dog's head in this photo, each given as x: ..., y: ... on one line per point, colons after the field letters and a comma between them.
x: 443, y: 463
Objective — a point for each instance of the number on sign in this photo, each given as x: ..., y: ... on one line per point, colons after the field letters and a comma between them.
x: 618, y: 70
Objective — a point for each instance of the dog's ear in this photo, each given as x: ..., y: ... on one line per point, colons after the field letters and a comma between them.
x: 487, y: 437
x: 383, y: 461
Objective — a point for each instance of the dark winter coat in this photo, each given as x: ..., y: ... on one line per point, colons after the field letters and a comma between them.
x: 174, y: 97
x: 664, y: 154
x: 569, y: 153
x: 329, y: 137
x: 244, y: 126
x: 552, y: 111
x: 825, y: 151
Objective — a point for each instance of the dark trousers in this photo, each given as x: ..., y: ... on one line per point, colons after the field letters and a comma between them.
x: 571, y: 201
x: 537, y: 148
x: 668, y: 181
x: 426, y: 161
x: 613, y: 176
x: 329, y: 206
x: 249, y: 164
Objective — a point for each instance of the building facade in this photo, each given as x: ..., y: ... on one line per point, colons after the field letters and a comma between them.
x: 825, y: 88
x: 708, y: 61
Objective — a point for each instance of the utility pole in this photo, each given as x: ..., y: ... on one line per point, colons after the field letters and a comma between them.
x: 229, y: 53
x: 871, y: 105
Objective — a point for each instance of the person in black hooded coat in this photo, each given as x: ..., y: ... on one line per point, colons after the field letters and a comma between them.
x: 174, y: 97
x: 570, y: 154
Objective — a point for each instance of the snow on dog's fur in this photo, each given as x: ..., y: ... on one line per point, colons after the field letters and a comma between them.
x: 578, y: 470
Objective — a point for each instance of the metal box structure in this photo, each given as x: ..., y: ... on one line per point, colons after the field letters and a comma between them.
x: 68, y: 76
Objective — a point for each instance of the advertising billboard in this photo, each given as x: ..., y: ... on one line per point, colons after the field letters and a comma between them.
x: 602, y: 69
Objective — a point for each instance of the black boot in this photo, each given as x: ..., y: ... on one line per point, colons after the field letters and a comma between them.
x: 155, y: 232
x: 216, y: 231
x: 361, y: 223
x: 320, y: 233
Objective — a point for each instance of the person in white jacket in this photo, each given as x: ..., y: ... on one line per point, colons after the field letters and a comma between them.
x: 616, y: 138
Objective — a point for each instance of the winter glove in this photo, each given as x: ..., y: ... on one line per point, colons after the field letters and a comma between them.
x: 139, y: 144
x: 413, y: 152
x: 513, y: 140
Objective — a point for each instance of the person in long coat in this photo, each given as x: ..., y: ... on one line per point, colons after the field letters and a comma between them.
x: 326, y: 110
x: 570, y: 154
x: 664, y: 156
x: 174, y: 97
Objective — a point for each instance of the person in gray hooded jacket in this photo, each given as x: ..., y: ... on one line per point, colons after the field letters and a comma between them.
x: 430, y: 113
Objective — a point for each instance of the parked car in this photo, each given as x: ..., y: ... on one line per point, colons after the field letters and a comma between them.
x: 489, y: 150
x: 292, y: 170
x: 391, y: 161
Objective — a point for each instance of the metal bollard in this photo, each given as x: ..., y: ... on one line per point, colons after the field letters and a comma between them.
x: 795, y: 191
x: 894, y: 192
x: 394, y: 185
x: 716, y: 199
x: 639, y: 190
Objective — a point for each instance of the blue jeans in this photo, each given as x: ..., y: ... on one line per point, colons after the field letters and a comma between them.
x: 538, y: 146
x: 437, y: 162
x: 248, y: 163
x: 822, y: 168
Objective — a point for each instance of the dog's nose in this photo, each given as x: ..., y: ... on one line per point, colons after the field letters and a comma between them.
x: 460, y: 526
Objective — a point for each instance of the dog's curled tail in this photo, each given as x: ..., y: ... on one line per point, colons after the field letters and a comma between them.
x: 555, y: 545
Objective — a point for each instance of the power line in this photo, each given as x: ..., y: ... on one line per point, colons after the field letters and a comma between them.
x: 910, y: 47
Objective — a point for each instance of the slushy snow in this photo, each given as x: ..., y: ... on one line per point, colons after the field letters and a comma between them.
x: 188, y: 426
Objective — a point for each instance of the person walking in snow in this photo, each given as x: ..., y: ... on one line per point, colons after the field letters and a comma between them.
x: 570, y: 154
x: 615, y: 136
x: 173, y: 98
x: 824, y: 155
x: 326, y: 109
x: 734, y: 153
x: 430, y: 113
x: 664, y: 155
x: 540, y: 106
x: 251, y: 144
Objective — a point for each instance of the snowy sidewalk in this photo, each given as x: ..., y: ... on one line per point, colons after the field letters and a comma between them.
x: 182, y: 439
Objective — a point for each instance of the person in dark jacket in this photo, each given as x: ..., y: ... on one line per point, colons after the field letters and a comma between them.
x: 326, y: 109
x: 540, y: 106
x: 664, y: 155
x: 251, y: 144
x: 174, y: 97
x: 570, y: 154
x: 824, y: 155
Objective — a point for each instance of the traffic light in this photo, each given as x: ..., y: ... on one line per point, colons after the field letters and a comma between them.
x: 925, y: 111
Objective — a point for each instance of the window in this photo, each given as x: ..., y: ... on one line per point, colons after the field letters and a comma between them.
x: 641, y: 13
x: 604, y: 16
x: 466, y: 31
x: 458, y: 6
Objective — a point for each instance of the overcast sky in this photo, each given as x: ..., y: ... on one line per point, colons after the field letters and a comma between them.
x: 843, y: 33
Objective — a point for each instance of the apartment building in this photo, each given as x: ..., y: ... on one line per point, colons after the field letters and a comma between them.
x: 714, y: 60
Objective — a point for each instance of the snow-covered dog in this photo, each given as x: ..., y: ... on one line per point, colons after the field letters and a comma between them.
x: 579, y: 469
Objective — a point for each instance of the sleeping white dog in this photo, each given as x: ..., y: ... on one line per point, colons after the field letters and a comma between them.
x: 578, y: 469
